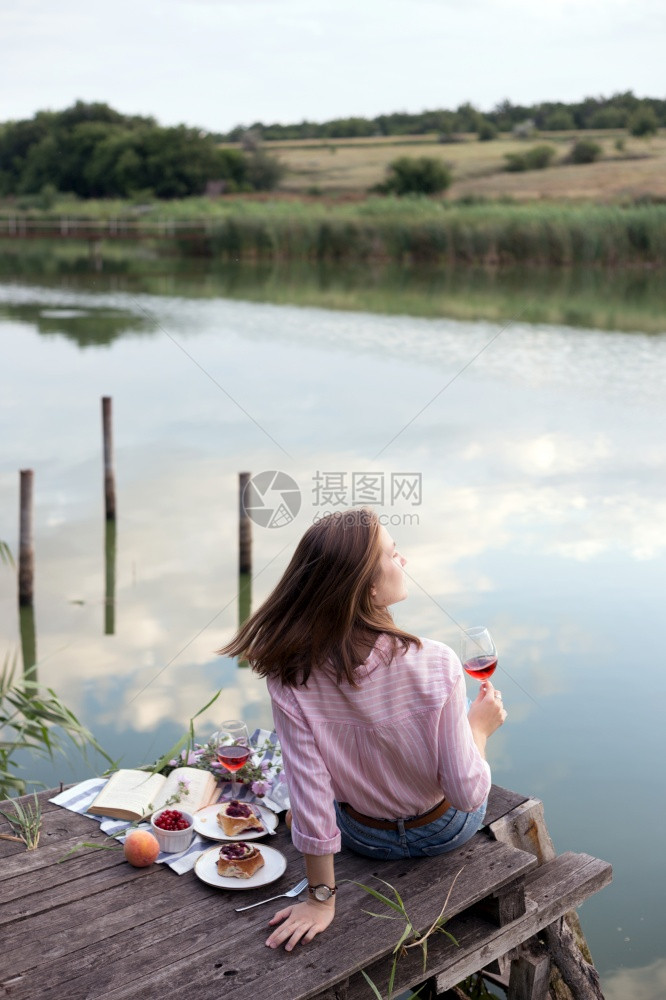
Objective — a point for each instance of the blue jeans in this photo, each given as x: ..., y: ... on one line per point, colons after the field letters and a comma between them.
x: 451, y: 830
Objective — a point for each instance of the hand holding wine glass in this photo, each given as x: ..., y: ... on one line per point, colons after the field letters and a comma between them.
x: 479, y: 660
x: 233, y: 748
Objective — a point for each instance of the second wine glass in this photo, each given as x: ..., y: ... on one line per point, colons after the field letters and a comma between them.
x: 479, y: 653
x: 233, y: 749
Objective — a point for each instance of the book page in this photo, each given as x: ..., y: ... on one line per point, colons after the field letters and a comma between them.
x: 130, y: 792
x: 201, y: 789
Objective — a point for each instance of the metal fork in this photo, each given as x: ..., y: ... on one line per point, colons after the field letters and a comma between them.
x: 292, y: 892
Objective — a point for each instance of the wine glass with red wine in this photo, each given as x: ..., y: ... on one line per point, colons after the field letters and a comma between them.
x: 233, y: 748
x: 479, y: 653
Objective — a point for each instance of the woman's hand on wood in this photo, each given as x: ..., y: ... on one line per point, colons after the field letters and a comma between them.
x: 300, y: 922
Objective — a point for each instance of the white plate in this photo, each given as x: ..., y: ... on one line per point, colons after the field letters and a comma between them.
x: 205, y: 823
x: 274, y: 866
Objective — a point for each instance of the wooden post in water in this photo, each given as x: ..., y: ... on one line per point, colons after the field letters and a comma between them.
x: 244, y: 598
x: 26, y: 548
x: 110, y: 578
x: 28, y: 641
x: 109, y: 477
x: 244, y: 604
x: 244, y: 527
x: 244, y: 556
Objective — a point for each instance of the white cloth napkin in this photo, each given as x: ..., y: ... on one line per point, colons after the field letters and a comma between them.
x: 79, y: 797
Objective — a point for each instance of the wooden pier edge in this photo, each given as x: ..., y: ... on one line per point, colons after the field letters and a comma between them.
x: 540, y: 954
x: 561, y: 947
x: 95, y: 928
x: 554, y: 887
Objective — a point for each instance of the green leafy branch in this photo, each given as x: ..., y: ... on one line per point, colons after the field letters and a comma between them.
x: 410, y: 937
x: 185, y: 743
x: 32, y: 718
x: 204, y: 757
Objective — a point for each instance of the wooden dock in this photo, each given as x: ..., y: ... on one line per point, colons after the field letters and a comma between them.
x: 95, y: 230
x: 87, y: 926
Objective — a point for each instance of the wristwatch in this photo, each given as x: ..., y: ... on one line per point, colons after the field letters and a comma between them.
x: 322, y: 892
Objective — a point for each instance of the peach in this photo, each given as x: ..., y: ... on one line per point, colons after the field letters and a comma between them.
x: 141, y: 848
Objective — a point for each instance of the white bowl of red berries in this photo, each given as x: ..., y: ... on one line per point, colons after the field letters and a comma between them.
x: 173, y: 828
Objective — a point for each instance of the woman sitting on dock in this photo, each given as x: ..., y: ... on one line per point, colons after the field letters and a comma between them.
x: 379, y: 751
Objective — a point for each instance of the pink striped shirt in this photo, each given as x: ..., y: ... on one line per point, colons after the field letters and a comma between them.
x: 392, y: 747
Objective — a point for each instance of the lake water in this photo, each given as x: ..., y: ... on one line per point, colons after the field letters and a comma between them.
x: 522, y: 469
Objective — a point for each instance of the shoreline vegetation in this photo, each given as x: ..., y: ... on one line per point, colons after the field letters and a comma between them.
x: 376, y: 230
x: 550, y: 185
x: 586, y: 236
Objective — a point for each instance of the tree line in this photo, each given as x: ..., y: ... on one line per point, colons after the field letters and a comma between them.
x: 617, y: 112
x: 93, y: 151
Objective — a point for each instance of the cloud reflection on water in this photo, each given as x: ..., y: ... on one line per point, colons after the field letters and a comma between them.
x: 543, y: 516
x: 647, y: 982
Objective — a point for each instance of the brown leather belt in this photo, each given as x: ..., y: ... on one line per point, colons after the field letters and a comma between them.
x: 388, y: 824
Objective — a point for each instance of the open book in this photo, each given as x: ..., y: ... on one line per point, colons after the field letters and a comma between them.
x: 131, y: 794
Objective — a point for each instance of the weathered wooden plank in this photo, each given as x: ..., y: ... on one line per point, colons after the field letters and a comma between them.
x: 105, y: 931
x: 500, y: 802
x: 80, y: 876
x: 103, y: 925
x: 198, y: 951
x: 53, y: 863
x: 334, y: 956
x: 66, y: 826
x: 552, y: 890
x: 524, y: 826
x: 63, y: 822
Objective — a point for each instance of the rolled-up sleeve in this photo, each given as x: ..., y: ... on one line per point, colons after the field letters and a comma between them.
x: 314, y: 829
x: 464, y: 774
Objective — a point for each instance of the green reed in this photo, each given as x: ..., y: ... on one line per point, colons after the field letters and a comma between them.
x: 401, y: 230
x: 34, y: 719
x: 25, y: 822
x: 409, y: 937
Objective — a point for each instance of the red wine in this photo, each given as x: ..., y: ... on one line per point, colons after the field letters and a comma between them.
x: 233, y: 757
x: 481, y: 667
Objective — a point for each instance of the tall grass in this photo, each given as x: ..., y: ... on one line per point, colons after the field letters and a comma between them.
x: 33, y: 719
x: 406, y: 230
x: 426, y: 231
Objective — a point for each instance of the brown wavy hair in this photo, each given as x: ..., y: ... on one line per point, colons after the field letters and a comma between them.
x: 321, y: 613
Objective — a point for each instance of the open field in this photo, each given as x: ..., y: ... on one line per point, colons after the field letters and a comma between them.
x: 351, y: 166
x: 611, y: 213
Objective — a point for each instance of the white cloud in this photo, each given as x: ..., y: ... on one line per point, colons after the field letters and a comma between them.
x: 220, y: 64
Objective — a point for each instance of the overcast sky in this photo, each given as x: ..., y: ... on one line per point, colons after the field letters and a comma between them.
x: 219, y: 63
